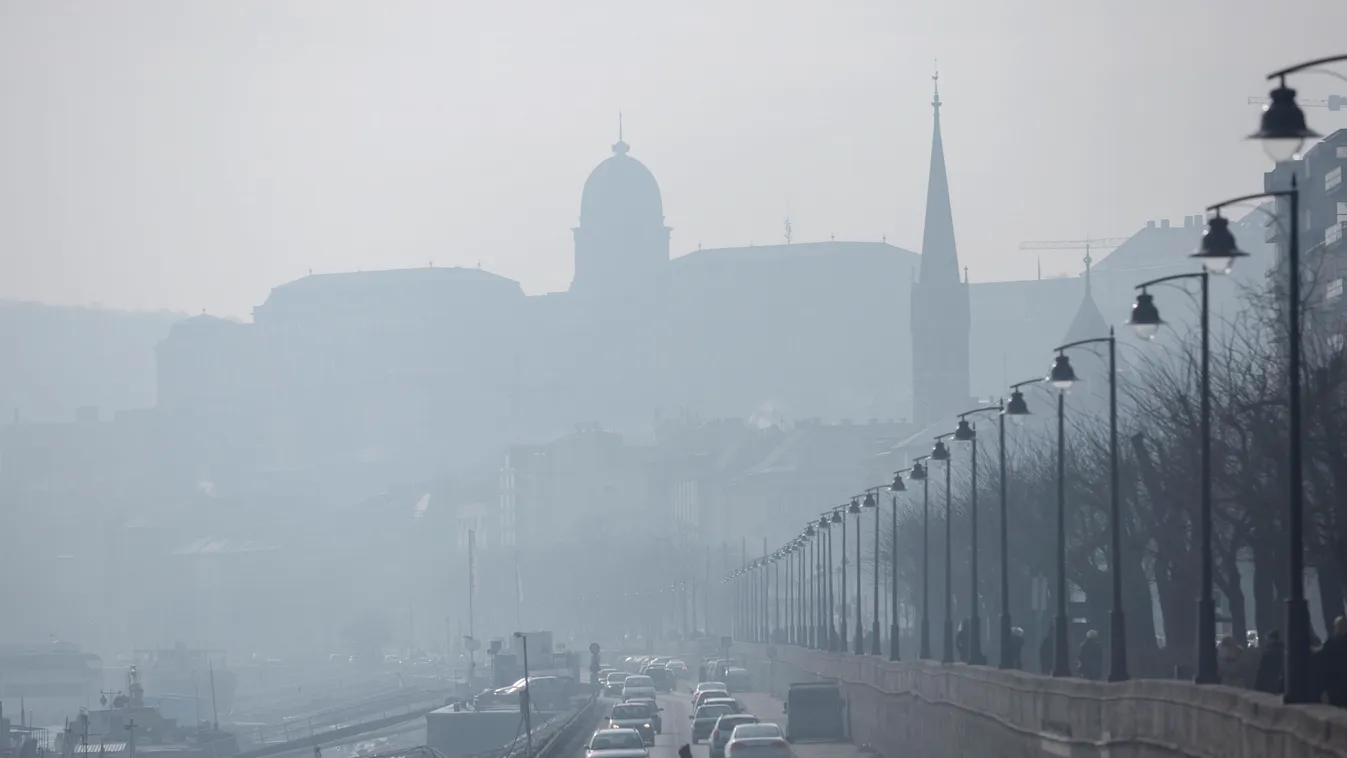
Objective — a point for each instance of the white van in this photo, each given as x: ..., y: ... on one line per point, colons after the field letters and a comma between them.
x: 638, y: 687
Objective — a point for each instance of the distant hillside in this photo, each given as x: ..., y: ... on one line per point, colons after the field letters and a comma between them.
x: 55, y: 359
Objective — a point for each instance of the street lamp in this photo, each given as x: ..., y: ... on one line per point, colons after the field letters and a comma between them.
x: 965, y: 432
x: 1062, y: 376
x: 1218, y: 242
x: 855, y: 510
x: 941, y: 453
x: 872, y: 502
x: 1016, y: 408
x: 1146, y: 320
x: 844, y: 641
x: 811, y: 588
x: 920, y: 474
x: 897, y: 486
x: 829, y: 598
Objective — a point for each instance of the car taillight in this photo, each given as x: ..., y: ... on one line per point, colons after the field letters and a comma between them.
x: 735, y: 744
x: 715, y: 733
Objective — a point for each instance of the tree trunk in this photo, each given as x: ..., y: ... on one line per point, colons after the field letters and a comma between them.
x: 1269, y: 614
x: 1330, y: 597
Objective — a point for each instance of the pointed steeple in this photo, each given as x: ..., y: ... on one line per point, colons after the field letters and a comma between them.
x: 940, y: 313
x: 939, y: 256
x: 1089, y: 322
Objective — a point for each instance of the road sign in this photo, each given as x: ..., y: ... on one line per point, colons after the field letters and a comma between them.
x: 594, y: 648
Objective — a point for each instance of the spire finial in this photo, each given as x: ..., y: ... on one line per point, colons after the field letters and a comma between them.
x: 1088, y: 260
x: 620, y: 147
x: 935, y: 79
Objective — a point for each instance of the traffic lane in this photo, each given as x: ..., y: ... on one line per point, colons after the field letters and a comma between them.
x: 677, y: 729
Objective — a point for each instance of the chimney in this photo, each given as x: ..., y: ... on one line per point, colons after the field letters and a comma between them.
x: 1164, y: 223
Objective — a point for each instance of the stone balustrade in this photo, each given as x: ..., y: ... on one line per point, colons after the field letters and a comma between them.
x: 926, y: 709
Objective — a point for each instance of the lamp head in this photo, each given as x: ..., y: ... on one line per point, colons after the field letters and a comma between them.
x: 918, y: 472
x: 1218, y: 251
x: 824, y: 522
x: 940, y: 452
x: 870, y: 501
x: 1062, y: 376
x: 855, y: 507
x: 1282, y: 129
x: 837, y: 516
x: 809, y: 530
x: 964, y: 431
x: 1016, y: 408
x: 898, y: 484
x: 1145, y: 316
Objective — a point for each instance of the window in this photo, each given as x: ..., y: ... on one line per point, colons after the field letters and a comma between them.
x: 1334, y: 289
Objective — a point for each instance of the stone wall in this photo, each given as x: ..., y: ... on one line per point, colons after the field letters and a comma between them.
x: 936, y: 711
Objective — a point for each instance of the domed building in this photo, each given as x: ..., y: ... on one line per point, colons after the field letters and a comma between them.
x: 621, y: 240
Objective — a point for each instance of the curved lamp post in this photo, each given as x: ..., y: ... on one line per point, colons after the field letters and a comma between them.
x: 1146, y: 320
x: 941, y: 453
x: 898, y: 486
x: 1062, y: 377
x: 828, y: 597
x: 1016, y: 408
x: 919, y: 473
x: 871, y: 502
x: 854, y: 509
x: 842, y: 640
x: 965, y: 432
x: 809, y: 570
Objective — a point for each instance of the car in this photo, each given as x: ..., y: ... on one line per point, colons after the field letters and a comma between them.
x: 633, y: 716
x: 678, y: 668
x: 720, y: 733
x: 704, y: 695
x: 616, y: 743
x: 662, y: 677
x: 638, y: 686
x: 738, y: 680
x: 734, y: 705
x: 704, y: 720
x: 613, y: 684
x: 653, y: 710
x: 707, y: 686
x: 757, y: 741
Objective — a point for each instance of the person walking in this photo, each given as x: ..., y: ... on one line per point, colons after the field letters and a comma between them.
x: 1331, y: 664
x: 1045, y: 652
x: 1091, y: 661
x: 1229, y: 656
x: 1015, y: 649
x: 1270, y: 665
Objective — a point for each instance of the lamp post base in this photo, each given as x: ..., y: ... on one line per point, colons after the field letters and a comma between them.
x: 1117, y: 630
x: 925, y: 638
x: 842, y: 642
x: 1005, y: 636
x: 875, y: 649
x: 1299, y: 685
x: 893, y: 642
x: 858, y: 645
x: 1207, y: 671
x: 947, y: 656
x: 975, y: 656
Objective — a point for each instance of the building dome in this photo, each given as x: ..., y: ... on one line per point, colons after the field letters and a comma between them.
x: 621, y: 191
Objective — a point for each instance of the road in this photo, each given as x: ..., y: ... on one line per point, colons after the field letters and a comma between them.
x: 678, y: 728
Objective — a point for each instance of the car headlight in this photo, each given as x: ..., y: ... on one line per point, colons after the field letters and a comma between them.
x: 647, y: 726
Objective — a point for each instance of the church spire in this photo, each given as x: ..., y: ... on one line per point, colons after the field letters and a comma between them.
x: 939, y: 256
x: 940, y: 314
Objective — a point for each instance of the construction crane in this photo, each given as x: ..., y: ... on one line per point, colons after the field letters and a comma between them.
x: 1088, y: 244
x: 1333, y: 103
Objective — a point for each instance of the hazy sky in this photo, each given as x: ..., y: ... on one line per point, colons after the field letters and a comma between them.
x: 192, y: 155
